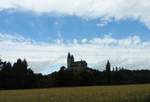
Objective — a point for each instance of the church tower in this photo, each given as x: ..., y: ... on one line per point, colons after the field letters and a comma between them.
x: 70, y: 60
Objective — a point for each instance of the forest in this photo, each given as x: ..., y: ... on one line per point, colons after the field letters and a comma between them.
x: 20, y: 76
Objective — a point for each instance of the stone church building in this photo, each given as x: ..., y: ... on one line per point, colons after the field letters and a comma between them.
x: 75, y: 65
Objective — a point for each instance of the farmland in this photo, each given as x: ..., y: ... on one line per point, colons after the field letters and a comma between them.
x: 124, y: 93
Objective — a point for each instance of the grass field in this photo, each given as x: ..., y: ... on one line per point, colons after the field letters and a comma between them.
x: 127, y: 93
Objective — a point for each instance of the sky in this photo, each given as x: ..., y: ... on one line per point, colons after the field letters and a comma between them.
x: 44, y: 31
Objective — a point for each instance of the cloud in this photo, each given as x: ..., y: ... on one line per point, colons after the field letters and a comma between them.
x: 107, y: 10
x: 129, y: 52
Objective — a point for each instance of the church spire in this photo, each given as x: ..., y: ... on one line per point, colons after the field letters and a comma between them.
x: 68, y: 60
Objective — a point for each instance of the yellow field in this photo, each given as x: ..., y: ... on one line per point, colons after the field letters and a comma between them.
x: 128, y: 93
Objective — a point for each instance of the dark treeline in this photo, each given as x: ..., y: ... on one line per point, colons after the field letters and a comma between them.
x: 19, y: 76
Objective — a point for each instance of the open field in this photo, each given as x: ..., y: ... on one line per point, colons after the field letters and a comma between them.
x: 126, y: 93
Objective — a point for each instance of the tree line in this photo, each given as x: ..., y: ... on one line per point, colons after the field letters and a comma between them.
x: 20, y: 76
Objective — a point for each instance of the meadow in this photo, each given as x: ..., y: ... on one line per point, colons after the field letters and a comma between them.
x: 123, y: 93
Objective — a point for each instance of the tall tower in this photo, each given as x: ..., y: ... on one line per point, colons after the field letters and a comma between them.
x: 70, y: 60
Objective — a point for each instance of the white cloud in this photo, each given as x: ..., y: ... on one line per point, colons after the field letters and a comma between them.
x: 130, y: 52
x: 105, y: 9
x: 84, y: 40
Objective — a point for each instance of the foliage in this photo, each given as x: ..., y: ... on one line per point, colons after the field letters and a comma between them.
x: 19, y: 76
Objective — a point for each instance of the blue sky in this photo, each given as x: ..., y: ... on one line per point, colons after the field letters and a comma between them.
x: 94, y: 30
x: 48, y: 27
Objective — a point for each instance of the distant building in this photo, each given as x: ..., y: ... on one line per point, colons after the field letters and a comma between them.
x: 75, y: 65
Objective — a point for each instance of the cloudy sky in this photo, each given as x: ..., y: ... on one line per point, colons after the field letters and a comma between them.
x: 44, y: 31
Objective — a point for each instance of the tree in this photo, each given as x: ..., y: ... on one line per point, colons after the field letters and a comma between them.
x: 108, y: 72
x: 24, y: 65
x: 24, y: 77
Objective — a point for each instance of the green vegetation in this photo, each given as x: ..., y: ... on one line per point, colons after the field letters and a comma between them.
x: 124, y: 93
x: 77, y: 73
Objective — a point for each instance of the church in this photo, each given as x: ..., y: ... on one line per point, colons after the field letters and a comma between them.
x: 75, y: 65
